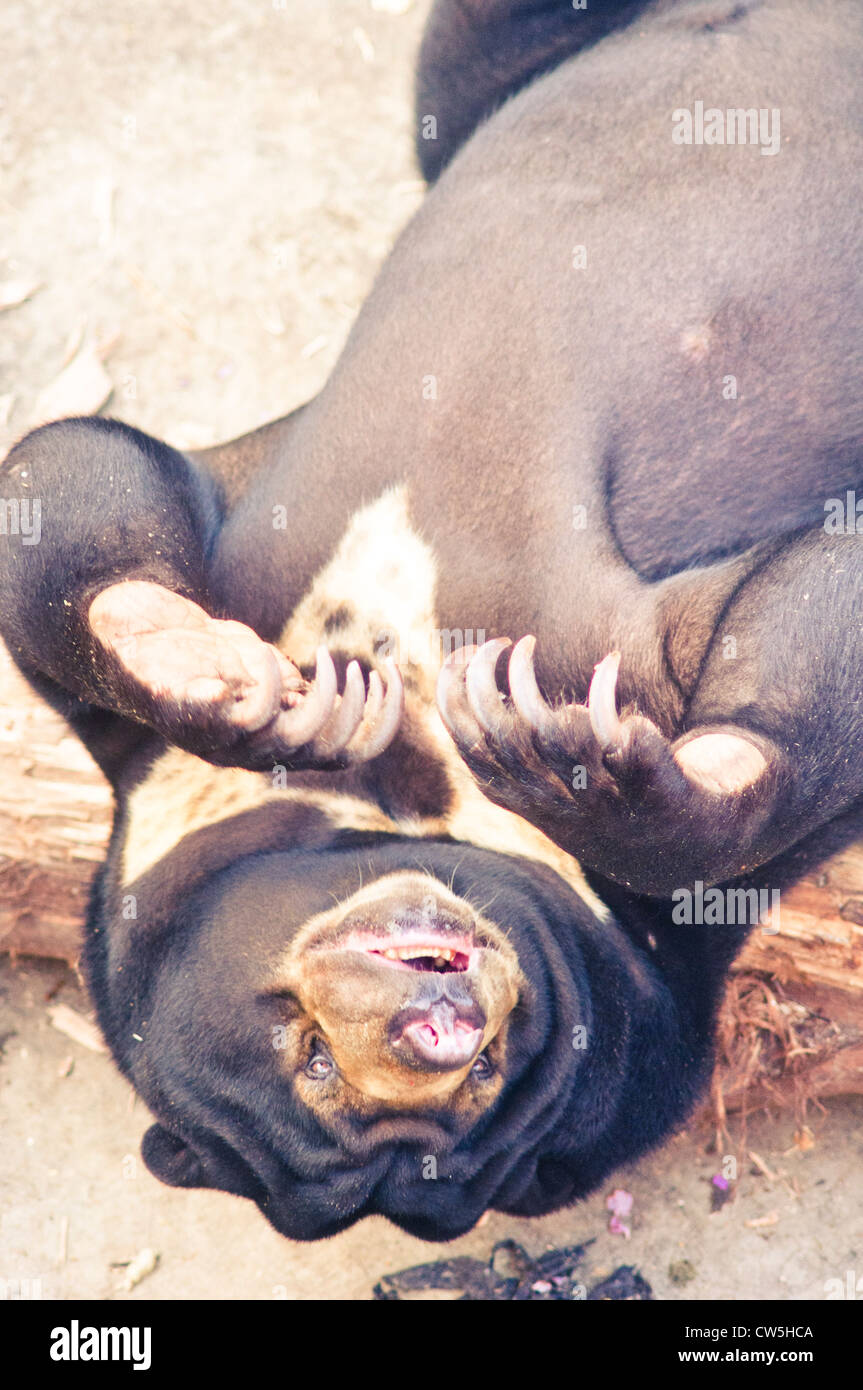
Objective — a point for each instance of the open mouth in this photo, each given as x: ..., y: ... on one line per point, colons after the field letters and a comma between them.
x: 439, y: 955
x: 439, y: 959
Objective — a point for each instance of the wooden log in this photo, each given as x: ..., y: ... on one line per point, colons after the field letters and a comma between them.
x: 791, y: 1028
x: 820, y: 940
x: 55, y: 817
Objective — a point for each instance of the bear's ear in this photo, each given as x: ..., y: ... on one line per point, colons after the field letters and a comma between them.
x: 171, y: 1160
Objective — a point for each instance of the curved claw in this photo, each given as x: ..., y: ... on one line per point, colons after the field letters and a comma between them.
x: 526, y: 694
x: 602, y: 702
x: 346, y: 717
x: 451, y: 696
x: 483, y: 696
x: 382, y: 718
x: 300, y: 725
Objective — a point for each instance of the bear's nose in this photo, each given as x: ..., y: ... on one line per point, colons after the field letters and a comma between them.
x: 442, y: 1036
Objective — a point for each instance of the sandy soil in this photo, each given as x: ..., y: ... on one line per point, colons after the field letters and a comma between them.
x: 203, y: 193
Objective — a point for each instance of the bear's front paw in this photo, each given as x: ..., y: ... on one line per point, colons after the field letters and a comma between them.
x: 609, y: 788
x: 214, y: 687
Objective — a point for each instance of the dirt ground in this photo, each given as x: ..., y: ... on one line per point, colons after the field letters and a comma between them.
x: 198, y: 195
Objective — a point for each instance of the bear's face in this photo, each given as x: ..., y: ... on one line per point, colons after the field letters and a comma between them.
x: 330, y: 1050
x: 399, y: 1000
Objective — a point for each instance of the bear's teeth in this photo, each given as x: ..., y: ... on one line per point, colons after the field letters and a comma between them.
x: 443, y: 953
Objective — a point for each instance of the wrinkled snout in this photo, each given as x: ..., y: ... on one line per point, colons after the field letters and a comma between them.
x: 442, y: 1036
x: 407, y: 986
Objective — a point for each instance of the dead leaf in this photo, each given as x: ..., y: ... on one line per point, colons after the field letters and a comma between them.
x: 15, y: 292
x: 143, y: 1264
x: 74, y: 340
x: 771, y: 1219
x: 82, y: 388
x: 316, y: 345
x: 762, y: 1167
x: 77, y: 1027
x: 364, y: 44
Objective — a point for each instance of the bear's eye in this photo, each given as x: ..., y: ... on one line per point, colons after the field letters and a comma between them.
x: 320, y: 1065
x: 482, y: 1067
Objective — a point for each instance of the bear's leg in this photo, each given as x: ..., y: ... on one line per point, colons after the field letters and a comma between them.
x: 476, y: 53
x: 107, y: 609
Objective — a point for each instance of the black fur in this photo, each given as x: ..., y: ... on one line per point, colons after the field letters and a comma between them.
x: 569, y: 1115
x: 557, y: 389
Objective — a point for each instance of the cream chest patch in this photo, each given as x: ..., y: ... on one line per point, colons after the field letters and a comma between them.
x: 374, y: 598
x: 380, y: 589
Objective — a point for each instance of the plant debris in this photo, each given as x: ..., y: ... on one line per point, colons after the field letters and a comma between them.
x: 511, y: 1275
x: 682, y: 1272
x: 619, y: 1203
x: 77, y: 1027
x: 143, y: 1264
x: 771, y: 1219
x: 15, y: 292
x: 625, y: 1285
x: 721, y: 1191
